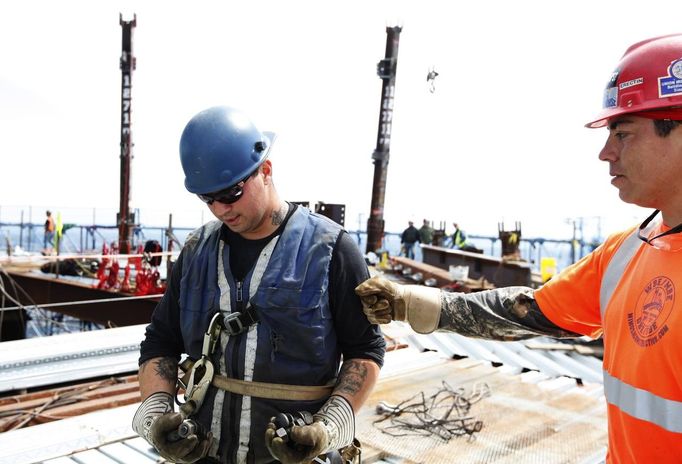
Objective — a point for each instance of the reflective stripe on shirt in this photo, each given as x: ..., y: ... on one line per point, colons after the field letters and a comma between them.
x: 615, y: 269
x: 643, y: 405
x: 634, y: 401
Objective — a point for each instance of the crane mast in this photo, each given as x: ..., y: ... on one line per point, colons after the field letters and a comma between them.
x: 386, y: 69
x: 125, y: 219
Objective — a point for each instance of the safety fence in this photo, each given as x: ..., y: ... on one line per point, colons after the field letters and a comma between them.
x: 83, y: 231
x: 79, y: 238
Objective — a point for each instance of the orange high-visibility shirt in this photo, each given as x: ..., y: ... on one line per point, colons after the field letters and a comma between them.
x: 641, y: 324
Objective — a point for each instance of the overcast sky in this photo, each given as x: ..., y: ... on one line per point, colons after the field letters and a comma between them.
x: 501, y: 138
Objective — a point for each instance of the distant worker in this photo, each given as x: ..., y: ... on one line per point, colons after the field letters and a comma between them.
x: 262, y: 301
x: 626, y: 290
x: 48, y: 237
x: 426, y: 233
x: 459, y: 238
x: 408, y: 238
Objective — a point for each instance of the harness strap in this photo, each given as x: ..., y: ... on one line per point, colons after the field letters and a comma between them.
x: 273, y: 391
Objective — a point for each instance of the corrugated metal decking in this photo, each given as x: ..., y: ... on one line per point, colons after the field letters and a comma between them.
x: 530, y: 419
x: 36, y: 362
x: 537, y: 412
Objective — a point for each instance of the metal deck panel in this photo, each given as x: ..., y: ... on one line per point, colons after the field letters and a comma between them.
x: 44, y: 361
x: 540, y: 416
x: 531, y: 417
x: 581, y: 369
x: 93, y: 456
x: 553, y: 421
x: 542, y: 361
x: 511, y: 354
x: 141, y: 446
x: 121, y: 452
x: 61, y: 438
x: 408, y: 360
x: 590, y: 362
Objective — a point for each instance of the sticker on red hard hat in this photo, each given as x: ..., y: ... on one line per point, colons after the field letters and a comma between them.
x: 671, y: 84
x: 630, y: 83
x: 611, y: 91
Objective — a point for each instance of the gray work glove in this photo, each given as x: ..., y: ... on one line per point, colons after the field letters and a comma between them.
x: 184, y: 451
x: 384, y: 301
x: 308, y: 442
x: 333, y: 427
x: 154, y: 420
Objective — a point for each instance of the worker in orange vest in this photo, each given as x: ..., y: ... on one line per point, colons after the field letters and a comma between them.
x: 48, y: 238
x: 625, y: 290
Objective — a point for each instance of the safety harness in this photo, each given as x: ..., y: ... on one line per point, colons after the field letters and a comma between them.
x: 198, y: 375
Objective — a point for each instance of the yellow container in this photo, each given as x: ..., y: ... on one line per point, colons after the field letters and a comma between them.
x: 547, y: 268
x: 383, y: 263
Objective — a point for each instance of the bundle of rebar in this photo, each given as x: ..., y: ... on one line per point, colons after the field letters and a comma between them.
x: 445, y: 414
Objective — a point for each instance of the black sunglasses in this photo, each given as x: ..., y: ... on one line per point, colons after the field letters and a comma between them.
x: 229, y: 195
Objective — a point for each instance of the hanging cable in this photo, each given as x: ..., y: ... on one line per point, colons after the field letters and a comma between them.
x: 80, y: 302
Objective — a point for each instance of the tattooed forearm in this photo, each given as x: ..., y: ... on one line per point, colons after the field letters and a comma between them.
x: 352, y: 377
x: 166, y: 368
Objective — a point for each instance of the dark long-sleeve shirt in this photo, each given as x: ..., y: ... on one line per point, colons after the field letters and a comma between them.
x: 357, y: 338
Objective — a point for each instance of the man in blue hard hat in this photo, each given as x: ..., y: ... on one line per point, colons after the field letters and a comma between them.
x: 262, y: 301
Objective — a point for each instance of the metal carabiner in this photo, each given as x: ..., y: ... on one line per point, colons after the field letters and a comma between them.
x: 198, y: 383
x: 212, y: 334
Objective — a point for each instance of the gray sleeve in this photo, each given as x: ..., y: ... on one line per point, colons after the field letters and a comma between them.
x: 509, y: 313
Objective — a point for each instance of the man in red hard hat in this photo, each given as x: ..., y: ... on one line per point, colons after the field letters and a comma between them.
x: 627, y: 290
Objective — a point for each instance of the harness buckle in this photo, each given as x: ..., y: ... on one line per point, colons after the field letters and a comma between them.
x: 233, y: 324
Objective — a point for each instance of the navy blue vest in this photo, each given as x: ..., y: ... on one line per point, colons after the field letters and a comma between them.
x: 294, y: 343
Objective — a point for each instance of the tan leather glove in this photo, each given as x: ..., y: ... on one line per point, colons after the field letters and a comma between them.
x: 384, y: 301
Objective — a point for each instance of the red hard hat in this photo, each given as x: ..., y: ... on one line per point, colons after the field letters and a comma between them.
x: 648, y: 78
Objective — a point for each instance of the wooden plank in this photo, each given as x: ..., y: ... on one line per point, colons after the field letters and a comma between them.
x: 50, y: 392
x: 442, y: 276
x: 94, y: 405
x: 78, y: 394
x: 60, y: 412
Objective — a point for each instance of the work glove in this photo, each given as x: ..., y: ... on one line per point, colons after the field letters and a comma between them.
x: 333, y: 427
x: 155, y: 420
x: 384, y: 301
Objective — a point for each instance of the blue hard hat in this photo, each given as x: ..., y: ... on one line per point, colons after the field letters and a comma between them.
x: 219, y: 147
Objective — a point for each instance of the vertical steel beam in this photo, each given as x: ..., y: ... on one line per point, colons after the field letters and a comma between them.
x: 386, y: 69
x: 125, y: 219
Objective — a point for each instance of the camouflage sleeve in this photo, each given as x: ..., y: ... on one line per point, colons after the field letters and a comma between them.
x: 509, y: 313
